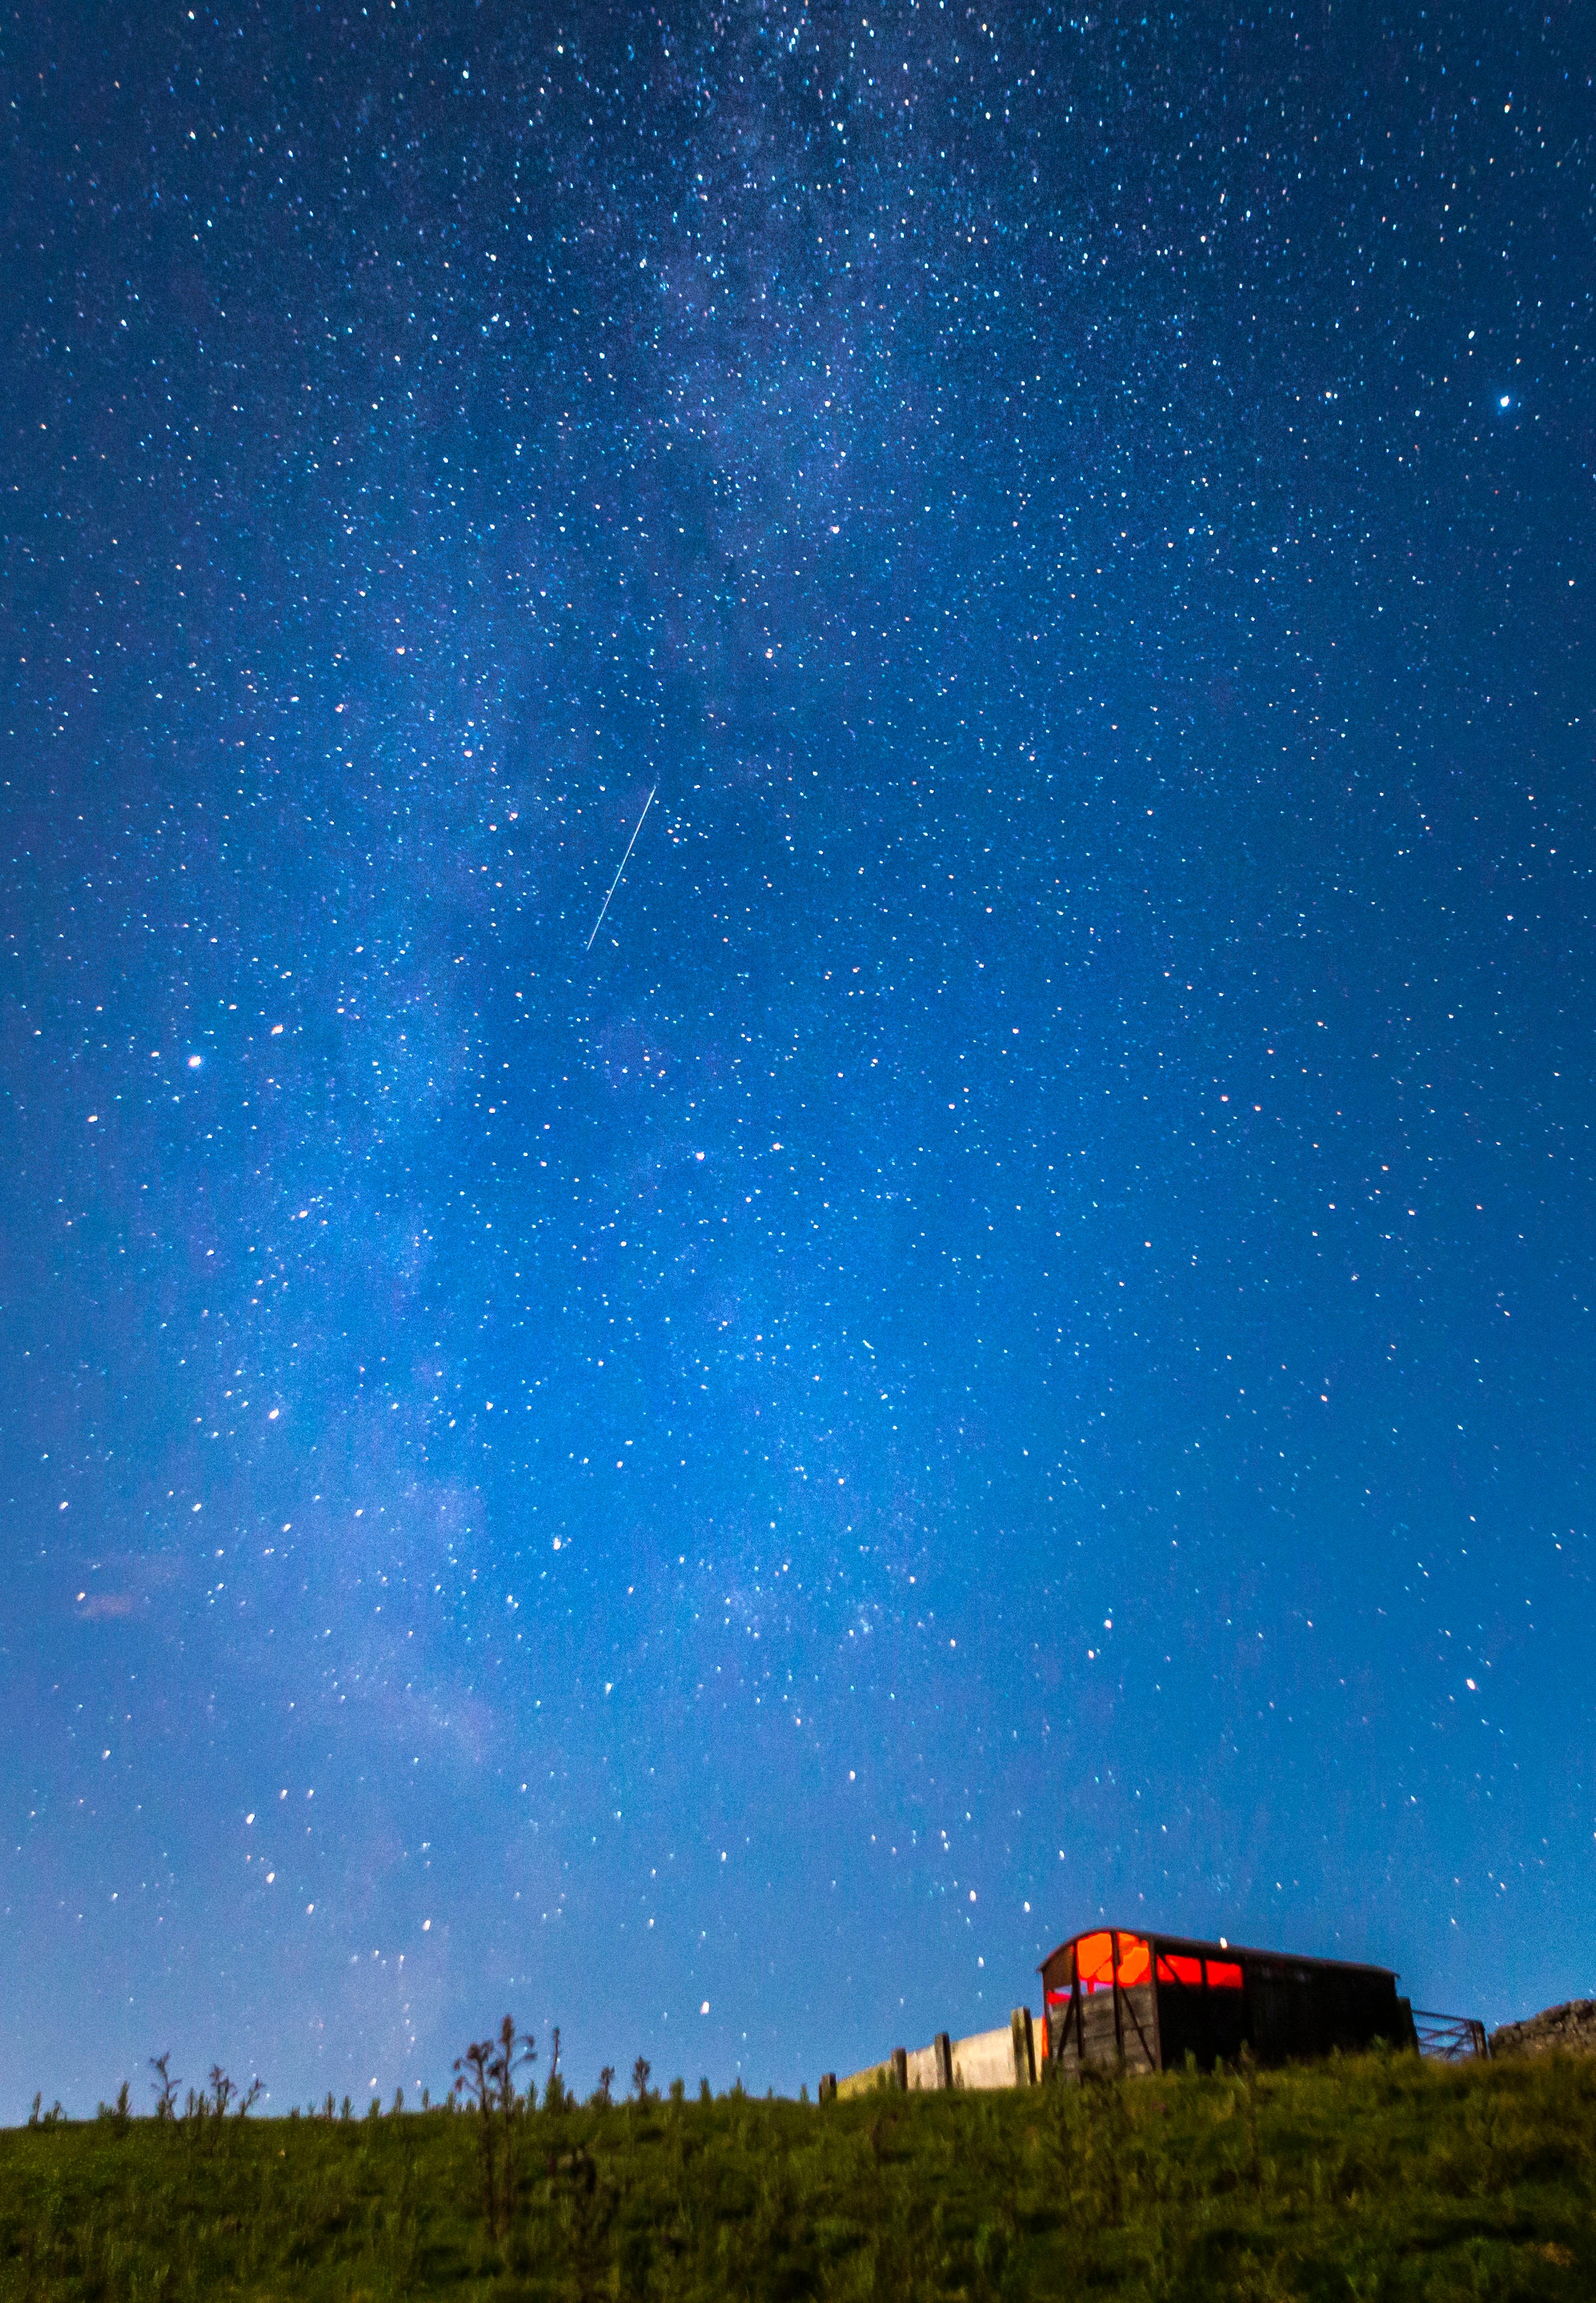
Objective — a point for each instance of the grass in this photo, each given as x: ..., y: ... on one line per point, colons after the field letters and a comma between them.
x: 1375, y: 2178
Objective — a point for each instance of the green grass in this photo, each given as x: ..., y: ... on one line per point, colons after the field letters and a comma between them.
x: 1375, y: 2178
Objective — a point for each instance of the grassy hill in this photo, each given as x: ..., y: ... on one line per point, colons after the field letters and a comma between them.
x: 1376, y: 2178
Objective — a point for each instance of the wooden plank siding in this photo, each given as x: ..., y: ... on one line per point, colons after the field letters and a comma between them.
x: 1102, y: 2029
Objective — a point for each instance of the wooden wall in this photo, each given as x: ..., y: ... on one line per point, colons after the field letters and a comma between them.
x: 1105, y: 2032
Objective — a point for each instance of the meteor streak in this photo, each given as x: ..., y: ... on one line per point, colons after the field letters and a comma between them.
x: 615, y: 882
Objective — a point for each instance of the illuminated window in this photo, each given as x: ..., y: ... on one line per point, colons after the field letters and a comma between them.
x: 1094, y: 1961
x: 1175, y: 1967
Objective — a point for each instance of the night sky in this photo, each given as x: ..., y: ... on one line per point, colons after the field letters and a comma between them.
x: 1012, y: 1340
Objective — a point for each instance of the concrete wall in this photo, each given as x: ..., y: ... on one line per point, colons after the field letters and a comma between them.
x: 1004, y: 2058
x: 923, y: 2067
x: 866, y: 2082
x: 987, y: 2060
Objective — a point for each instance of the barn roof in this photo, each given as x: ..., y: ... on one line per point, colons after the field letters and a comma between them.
x: 1193, y: 1947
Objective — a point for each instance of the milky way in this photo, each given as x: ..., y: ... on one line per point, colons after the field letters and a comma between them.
x: 1013, y: 1341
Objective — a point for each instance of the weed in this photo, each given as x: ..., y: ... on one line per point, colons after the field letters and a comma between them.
x: 484, y: 2079
x: 473, y: 2083
x: 163, y: 2086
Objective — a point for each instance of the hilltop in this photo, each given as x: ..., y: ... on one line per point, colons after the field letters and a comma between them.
x: 1376, y: 2176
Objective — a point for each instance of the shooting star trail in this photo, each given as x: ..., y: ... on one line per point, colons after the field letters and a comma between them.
x: 615, y: 882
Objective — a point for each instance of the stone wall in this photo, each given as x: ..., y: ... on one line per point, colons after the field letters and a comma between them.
x: 1567, y: 2029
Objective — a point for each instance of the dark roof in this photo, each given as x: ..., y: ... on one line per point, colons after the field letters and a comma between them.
x: 1193, y: 1947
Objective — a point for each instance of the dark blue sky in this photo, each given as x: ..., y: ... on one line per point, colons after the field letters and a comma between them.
x: 1014, y: 1341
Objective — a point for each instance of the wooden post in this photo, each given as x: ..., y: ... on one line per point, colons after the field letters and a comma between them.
x: 1157, y: 2020
x: 1118, y: 2016
x: 900, y: 2070
x: 828, y: 2086
x: 1023, y: 2048
x: 1249, y: 2025
x: 944, y: 2061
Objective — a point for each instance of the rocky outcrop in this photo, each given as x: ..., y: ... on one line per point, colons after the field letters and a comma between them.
x: 1568, y: 2030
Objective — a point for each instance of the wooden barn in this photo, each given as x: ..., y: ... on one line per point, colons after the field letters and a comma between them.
x: 1115, y: 2000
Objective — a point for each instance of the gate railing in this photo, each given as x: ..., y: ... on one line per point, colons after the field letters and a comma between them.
x: 1449, y: 2038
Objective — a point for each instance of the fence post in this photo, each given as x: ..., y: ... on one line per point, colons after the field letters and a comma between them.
x: 900, y: 2070
x: 944, y: 2060
x: 1024, y: 2047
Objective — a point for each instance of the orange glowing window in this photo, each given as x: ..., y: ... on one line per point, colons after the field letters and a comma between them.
x: 1136, y: 1961
x: 1094, y: 1961
x: 1223, y: 1975
x: 1175, y: 1967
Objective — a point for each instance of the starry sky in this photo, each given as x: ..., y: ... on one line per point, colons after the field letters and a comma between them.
x: 1011, y: 1339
